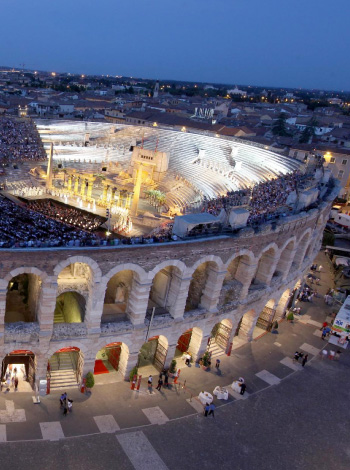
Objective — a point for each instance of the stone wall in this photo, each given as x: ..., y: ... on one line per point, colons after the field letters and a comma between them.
x: 276, y: 254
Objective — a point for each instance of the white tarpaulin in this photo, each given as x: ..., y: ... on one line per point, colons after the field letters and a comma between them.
x: 184, y: 223
x: 238, y: 218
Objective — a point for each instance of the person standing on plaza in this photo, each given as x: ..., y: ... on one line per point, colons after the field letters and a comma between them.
x: 16, y: 383
x: 166, y: 380
x: 243, y: 387
x: 160, y: 383
x: 320, y: 268
x: 217, y: 363
x: 206, y: 409
x: 304, y: 361
x: 212, y: 409
x: 63, y: 398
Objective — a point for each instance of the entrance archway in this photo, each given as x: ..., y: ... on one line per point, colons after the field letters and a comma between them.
x: 220, y: 337
x: 244, y: 330
x: 65, y: 368
x: 20, y: 363
x: 112, y: 359
x: 22, y: 298
x: 265, y: 319
x: 164, y: 290
x: 70, y: 308
x: 284, y: 303
x: 152, y: 355
x: 198, y: 284
x: 190, y: 341
x: 116, y: 301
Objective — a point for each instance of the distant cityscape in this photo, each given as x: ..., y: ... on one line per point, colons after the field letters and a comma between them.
x: 294, y: 122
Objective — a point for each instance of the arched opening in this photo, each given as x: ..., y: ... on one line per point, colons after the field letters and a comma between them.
x: 65, y: 368
x: 244, y: 330
x: 164, y: 290
x: 189, y: 342
x: 22, y: 298
x: 116, y: 301
x: 220, y: 338
x: 264, y: 269
x: 283, y: 265
x: 70, y: 308
x: 265, y: 319
x: 112, y: 359
x: 284, y: 304
x: 152, y: 355
x: 234, y: 280
x: 80, y: 272
x: 20, y: 364
x: 197, y: 286
x: 300, y: 253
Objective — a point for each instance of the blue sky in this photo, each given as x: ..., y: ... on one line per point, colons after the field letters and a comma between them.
x: 299, y: 43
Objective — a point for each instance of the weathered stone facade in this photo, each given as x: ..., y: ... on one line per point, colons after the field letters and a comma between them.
x: 229, y: 277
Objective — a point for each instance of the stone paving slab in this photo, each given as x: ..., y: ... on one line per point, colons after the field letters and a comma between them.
x: 310, y: 349
x: 317, y: 333
x: 140, y: 451
x: 3, y: 436
x: 237, y: 395
x: 304, y: 319
x: 52, y: 431
x: 287, y: 361
x: 106, y: 423
x: 155, y: 415
x: 277, y: 344
x: 196, y: 404
x: 271, y: 379
x: 314, y: 323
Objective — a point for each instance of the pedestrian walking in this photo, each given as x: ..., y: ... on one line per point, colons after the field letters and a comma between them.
x: 65, y: 407
x: 217, y: 363
x: 243, y: 387
x: 69, y: 405
x: 160, y: 384
x: 320, y: 268
x: 212, y: 409
x: 304, y: 361
x: 63, y: 398
x: 166, y: 380
x: 206, y: 409
x: 16, y: 384
x: 150, y: 380
x: 324, y: 332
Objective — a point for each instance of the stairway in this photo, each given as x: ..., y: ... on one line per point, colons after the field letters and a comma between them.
x: 58, y: 316
x: 62, y: 372
x: 216, y: 350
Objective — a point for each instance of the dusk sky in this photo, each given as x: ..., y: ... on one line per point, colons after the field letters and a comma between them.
x: 304, y: 43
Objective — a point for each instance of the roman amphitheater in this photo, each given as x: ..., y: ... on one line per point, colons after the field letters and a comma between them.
x: 214, y: 278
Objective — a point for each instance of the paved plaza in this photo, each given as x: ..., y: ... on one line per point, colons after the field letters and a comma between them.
x: 291, y: 417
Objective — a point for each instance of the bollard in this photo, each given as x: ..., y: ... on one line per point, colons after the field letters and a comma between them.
x: 133, y: 383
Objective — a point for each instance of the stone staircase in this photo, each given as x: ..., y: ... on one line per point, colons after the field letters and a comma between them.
x: 58, y: 316
x: 216, y: 350
x: 63, y: 374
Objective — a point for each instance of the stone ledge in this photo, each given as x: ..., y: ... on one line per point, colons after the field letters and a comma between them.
x: 22, y: 332
x: 68, y: 330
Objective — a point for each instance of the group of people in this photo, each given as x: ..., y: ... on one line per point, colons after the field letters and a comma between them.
x: 20, y: 141
x: 231, y: 199
x: 20, y: 227
x: 299, y: 355
x: 66, y: 403
x: 163, y: 380
x: 11, y: 378
x: 67, y: 215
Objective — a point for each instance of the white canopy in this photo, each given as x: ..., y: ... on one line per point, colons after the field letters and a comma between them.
x: 184, y: 223
x: 238, y: 218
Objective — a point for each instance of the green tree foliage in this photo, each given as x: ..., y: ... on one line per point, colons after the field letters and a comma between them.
x: 308, y: 132
x: 280, y: 127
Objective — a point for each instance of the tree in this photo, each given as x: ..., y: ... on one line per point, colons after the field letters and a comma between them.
x: 308, y: 132
x: 280, y: 127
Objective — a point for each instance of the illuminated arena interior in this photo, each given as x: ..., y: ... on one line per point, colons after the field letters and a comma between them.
x: 199, y: 165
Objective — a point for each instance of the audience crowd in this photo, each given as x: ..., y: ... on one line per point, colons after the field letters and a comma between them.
x: 19, y: 141
x: 68, y: 215
x: 20, y: 227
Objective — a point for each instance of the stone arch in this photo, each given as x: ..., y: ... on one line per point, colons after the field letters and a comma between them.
x: 165, y: 288
x: 66, y: 363
x: 95, y: 269
x: 214, y: 260
x: 180, y: 265
x: 266, y: 265
x: 220, y: 336
x: 190, y: 341
x: 237, y: 277
x: 26, y: 270
x: 286, y: 258
x: 301, y: 248
x: 204, y: 273
x: 23, y: 294
x: 152, y: 355
x: 283, y: 304
x: 112, y: 358
x: 70, y: 307
x: 265, y: 319
x: 246, y: 325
